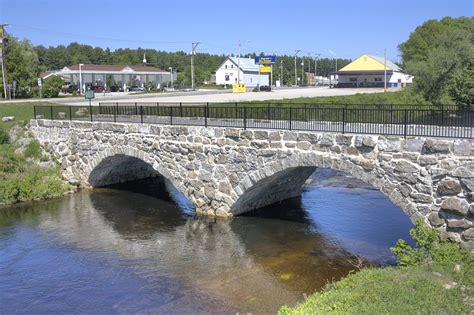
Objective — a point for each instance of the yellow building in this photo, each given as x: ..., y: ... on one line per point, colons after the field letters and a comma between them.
x: 368, y: 71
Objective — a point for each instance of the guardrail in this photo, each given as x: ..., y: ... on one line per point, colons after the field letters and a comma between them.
x: 397, y: 120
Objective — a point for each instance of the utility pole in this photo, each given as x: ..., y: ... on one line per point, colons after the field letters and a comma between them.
x: 238, y: 61
x: 193, y: 51
x: 296, y: 73
x: 2, y: 59
x: 281, y: 72
x: 385, y: 71
x: 302, y: 71
x: 316, y: 67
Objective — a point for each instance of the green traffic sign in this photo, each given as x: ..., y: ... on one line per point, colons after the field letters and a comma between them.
x: 89, y: 94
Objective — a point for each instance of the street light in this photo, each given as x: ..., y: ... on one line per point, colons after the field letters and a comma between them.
x: 80, y: 77
x: 171, y: 74
x: 302, y: 72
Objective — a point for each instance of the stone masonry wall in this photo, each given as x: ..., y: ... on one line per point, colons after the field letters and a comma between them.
x: 226, y: 171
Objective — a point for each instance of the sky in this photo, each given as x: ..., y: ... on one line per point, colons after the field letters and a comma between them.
x: 344, y: 28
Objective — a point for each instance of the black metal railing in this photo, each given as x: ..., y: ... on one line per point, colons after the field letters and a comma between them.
x: 402, y: 120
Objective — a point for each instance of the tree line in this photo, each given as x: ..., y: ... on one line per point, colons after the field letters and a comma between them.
x: 439, y: 53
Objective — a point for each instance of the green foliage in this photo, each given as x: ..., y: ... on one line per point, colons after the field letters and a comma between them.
x: 22, y: 67
x: 33, y: 150
x: 4, y: 137
x: 425, y: 238
x: 440, y: 55
x: 37, y: 183
x: 52, y: 86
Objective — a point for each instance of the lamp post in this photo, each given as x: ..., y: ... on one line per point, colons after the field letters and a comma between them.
x: 80, y: 77
x: 238, y: 60
x: 302, y: 72
x: 171, y: 74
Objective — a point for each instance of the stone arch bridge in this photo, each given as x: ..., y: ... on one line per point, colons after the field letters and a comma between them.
x: 228, y: 171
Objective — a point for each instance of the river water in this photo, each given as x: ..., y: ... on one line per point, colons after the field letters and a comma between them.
x: 141, y: 250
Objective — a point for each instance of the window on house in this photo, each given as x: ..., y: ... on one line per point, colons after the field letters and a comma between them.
x: 399, y: 80
x: 377, y: 79
x: 353, y: 79
x: 226, y: 66
x: 232, y: 66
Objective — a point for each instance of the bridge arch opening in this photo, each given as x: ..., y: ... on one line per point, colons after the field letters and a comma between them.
x: 126, y: 172
x: 289, y: 181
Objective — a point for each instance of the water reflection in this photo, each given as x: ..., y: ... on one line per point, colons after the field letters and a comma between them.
x: 124, y: 251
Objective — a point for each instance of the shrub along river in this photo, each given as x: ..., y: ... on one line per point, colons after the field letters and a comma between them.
x: 141, y: 249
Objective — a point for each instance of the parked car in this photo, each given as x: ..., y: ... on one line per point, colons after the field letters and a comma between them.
x: 98, y: 89
x: 135, y: 88
x: 265, y: 88
x: 69, y: 88
x: 116, y: 88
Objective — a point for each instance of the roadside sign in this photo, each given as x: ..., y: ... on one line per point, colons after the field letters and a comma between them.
x: 265, y: 69
x: 40, y: 83
x: 89, y: 94
x: 265, y: 60
x: 239, y: 88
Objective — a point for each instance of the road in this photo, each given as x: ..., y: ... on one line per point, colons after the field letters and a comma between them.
x: 217, y: 96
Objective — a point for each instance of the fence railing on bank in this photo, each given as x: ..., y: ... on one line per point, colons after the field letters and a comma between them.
x: 402, y: 120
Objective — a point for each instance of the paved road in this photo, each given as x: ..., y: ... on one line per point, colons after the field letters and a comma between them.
x: 217, y: 96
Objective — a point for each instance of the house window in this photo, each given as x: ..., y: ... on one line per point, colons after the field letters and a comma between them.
x: 226, y: 66
x: 378, y: 79
x: 399, y: 80
x: 232, y: 66
x: 353, y: 79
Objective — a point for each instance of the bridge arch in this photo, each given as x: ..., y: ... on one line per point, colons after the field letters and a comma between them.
x: 117, y: 164
x: 283, y: 179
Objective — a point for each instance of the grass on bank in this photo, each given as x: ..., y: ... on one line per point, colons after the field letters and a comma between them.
x: 434, y: 278
x: 21, y: 178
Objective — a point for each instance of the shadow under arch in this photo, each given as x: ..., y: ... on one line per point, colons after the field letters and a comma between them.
x: 128, y: 172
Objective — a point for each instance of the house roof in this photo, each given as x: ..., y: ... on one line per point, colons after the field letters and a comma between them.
x: 369, y: 63
x: 113, y: 68
x: 246, y: 64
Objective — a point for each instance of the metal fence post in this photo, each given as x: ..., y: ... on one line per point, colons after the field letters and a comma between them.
x: 180, y: 109
x: 245, y: 117
x: 343, y: 119
x: 206, y: 114
x: 136, y: 109
x: 405, y: 124
x: 51, y: 112
x: 115, y: 114
x: 34, y: 111
x: 70, y: 112
x: 171, y: 115
x: 90, y: 109
x: 290, y: 116
x: 141, y: 113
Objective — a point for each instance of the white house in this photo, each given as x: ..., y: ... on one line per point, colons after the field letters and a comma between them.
x: 368, y: 71
x: 227, y: 73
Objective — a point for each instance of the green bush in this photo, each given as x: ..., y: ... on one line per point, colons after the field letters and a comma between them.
x: 33, y: 150
x: 4, y: 138
x: 36, y: 183
x: 52, y: 86
x: 426, y: 238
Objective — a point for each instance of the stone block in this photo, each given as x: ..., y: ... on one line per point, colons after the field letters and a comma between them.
x: 459, y: 223
x: 436, y: 219
x: 468, y: 235
x: 455, y: 205
x: 406, y: 167
x: 448, y: 187
x: 343, y: 140
x: 413, y: 145
x: 436, y: 146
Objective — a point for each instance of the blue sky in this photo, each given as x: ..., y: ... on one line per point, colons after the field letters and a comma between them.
x: 348, y: 28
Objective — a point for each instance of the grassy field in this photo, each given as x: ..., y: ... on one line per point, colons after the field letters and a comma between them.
x: 22, y: 112
x: 437, y: 279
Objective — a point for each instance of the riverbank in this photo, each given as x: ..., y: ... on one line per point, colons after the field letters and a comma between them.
x: 435, y: 278
x: 27, y: 171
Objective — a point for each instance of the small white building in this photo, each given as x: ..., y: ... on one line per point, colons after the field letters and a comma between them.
x: 227, y: 73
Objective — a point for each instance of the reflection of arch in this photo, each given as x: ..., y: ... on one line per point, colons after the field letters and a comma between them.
x: 284, y: 178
